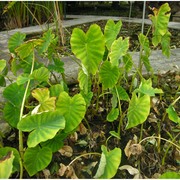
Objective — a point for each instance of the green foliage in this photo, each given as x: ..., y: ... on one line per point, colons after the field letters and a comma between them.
x: 73, y: 109
x: 108, y: 75
x: 113, y: 115
x: 89, y: 47
x: 48, y: 114
x: 111, y: 31
x: 138, y: 111
x: 15, y: 41
x: 42, y: 126
x: 160, y: 21
x: 36, y: 159
x: 170, y: 175
x: 109, y: 163
x: 117, y: 53
x: 46, y: 103
x: 172, y: 114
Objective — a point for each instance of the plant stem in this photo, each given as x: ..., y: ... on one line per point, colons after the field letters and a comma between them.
x: 21, y: 149
x: 91, y: 153
x: 120, y: 111
x: 160, y: 138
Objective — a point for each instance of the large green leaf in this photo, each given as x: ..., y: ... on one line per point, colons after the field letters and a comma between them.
x: 6, y: 165
x: 37, y: 159
x: 11, y: 114
x: 160, y: 21
x: 89, y: 47
x: 138, y: 111
x: 108, y: 75
x: 5, y: 150
x: 41, y: 74
x: 46, y: 103
x: 15, y: 40
x: 14, y: 93
x: 42, y: 126
x: 73, y: 109
x: 109, y: 163
x: 111, y: 31
x: 118, y: 49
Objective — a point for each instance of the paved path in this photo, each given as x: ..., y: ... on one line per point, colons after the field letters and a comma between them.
x: 158, y: 61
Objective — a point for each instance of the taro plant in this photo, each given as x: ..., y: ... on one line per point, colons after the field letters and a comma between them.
x: 36, y: 106
x: 105, y: 62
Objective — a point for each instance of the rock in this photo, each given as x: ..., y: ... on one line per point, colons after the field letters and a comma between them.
x: 176, y: 17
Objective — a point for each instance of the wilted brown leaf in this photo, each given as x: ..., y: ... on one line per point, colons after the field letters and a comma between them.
x: 67, y: 171
x: 66, y: 151
x: 132, y: 148
x: 74, y: 137
x: 82, y: 129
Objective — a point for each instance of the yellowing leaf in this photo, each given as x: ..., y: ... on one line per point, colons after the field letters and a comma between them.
x: 46, y: 103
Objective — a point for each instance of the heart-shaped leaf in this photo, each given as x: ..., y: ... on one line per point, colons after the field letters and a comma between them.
x: 108, y: 75
x: 89, y: 47
x: 113, y: 115
x: 16, y: 40
x: 118, y: 49
x: 109, y: 163
x: 42, y: 126
x: 111, y: 31
x: 6, y: 165
x: 46, y: 102
x: 37, y: 159
x: 73, y: 109
x: 138, y: 111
